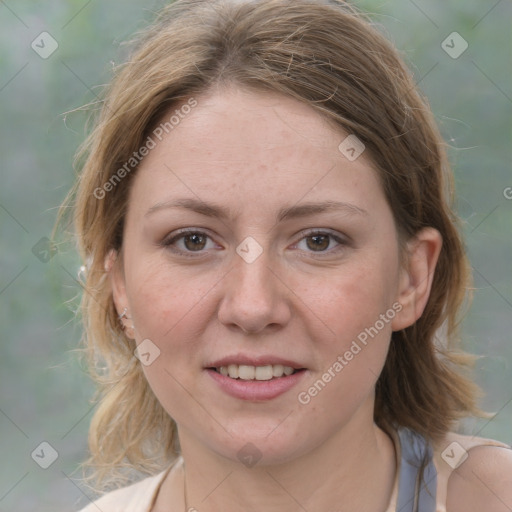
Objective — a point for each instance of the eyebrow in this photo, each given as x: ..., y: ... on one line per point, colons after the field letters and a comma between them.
x: 291, y: 212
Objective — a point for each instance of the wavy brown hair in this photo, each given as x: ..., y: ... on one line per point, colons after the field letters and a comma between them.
x: 330, y: 56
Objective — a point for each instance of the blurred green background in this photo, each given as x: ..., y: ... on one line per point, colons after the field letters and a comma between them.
x: 44, y: 392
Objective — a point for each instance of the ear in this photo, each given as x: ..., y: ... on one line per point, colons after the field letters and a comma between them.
x: 114, y: 268
x: 417, y: 275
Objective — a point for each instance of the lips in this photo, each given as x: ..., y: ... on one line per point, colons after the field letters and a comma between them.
x: 255, y: 378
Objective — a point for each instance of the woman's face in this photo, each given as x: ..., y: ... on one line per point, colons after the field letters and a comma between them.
x: 254, y: 177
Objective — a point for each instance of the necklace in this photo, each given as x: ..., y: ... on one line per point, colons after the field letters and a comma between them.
x: 185, y: 490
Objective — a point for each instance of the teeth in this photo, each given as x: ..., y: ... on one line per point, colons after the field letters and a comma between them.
x: 233, y: 371
x: 277, y: 370
x: 245, y: 372
x: 264, y: 372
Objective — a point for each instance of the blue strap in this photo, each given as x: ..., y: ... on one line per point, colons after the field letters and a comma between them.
x: 416, y: 494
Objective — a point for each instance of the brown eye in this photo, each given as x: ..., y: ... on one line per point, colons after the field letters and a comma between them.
x: 194, y: 242
x: 188, y: 241
x: 321, y: 243
x: 318, y: 242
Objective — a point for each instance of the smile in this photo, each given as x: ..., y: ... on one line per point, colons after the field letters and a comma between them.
x: 246, y: 372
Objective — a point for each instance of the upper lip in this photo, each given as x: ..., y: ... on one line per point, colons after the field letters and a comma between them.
x: 262, y: 360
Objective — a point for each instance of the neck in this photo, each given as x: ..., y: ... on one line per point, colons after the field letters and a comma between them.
x: 333, y: 477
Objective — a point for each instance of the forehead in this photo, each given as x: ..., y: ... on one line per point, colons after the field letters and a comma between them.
x: 250, y: 148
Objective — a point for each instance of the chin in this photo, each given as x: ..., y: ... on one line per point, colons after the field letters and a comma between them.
x: 254, y: 447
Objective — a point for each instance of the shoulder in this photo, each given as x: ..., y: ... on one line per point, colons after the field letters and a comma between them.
x: 134, y: 497
x: 480, y: 476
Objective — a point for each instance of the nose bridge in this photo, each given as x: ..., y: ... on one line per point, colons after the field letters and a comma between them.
x: 252, y: 276
x: 253, y: 296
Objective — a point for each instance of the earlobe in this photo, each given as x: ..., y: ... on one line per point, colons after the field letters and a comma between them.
x: 417, y: 276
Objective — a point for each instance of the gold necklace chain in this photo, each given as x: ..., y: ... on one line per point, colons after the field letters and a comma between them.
x: 185, y: 488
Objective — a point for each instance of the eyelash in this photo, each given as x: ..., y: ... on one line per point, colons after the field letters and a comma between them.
x: 168, y: 242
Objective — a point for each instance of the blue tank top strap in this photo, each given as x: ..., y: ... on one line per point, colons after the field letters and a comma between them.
x: 416, y: 491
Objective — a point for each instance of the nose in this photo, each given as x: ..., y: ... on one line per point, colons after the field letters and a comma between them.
x: 255, y: 297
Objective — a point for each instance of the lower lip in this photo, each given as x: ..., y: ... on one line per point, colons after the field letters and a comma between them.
x: 256, y: 390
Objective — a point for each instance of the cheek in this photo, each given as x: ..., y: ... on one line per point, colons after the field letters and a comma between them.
x: 353, y: 298
x: 349, y: 304
x: 353, y: 341
x: 166, y: 302
x: 162, y: 297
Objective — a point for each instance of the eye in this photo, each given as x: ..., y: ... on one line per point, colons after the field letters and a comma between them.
x: 187, y: 241
x: 320, y: 241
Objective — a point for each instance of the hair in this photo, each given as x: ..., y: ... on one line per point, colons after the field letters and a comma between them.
x: 330, y: 56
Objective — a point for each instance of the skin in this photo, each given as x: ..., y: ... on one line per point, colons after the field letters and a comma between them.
x: 256, y: 153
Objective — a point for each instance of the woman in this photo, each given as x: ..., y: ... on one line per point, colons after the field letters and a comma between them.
x: 275, y: 275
